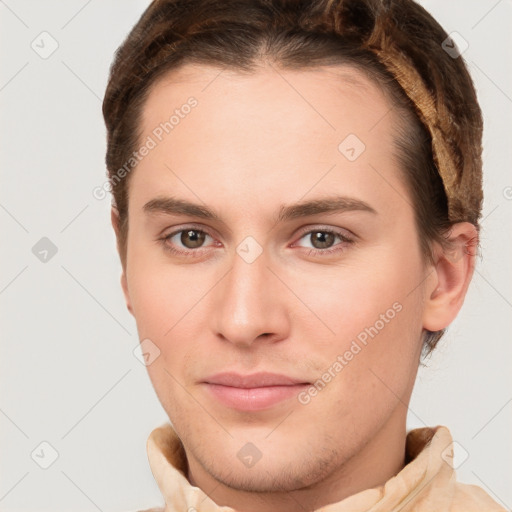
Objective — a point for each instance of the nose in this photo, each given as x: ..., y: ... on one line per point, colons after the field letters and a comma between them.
x: 251, y: 304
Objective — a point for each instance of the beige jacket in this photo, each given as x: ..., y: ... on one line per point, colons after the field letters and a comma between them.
x: 426, y: 484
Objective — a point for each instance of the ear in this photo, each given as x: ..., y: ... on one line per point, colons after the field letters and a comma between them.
x: 451, y: 274
x: 114, y: 217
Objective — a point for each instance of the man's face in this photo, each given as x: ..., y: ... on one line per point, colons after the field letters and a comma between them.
x: 332, y: 300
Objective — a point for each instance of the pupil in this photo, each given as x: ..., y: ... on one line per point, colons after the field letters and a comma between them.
x: 195, y: 238
x: 321, y: 239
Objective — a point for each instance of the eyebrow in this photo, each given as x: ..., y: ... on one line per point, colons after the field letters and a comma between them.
x: 330, y: 205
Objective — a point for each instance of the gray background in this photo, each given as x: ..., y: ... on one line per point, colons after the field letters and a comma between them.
x: 68, y: 374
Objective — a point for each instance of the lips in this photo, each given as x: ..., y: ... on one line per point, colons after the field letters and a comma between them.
x: 254, y: 392
x: 256, y: 380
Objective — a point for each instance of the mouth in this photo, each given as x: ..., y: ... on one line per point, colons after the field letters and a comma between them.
x: 255, y: 392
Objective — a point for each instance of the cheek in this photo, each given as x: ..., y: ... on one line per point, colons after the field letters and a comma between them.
x: 372, y: 357
x: 370, y: 313
x: 160, y: 303
x: 346, y: 300
x: 159, y: 292
x: 153, y: 309
x: 169, y: 309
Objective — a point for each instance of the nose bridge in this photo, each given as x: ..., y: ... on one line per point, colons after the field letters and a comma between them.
x: 248, y: 302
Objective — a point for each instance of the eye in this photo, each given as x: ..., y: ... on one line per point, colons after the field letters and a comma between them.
x: 186, y: 242
x: 190, y: 238
x: 194, y: 242
x: 323, y: 241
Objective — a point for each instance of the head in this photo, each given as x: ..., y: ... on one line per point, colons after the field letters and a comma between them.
x: 296, y: 189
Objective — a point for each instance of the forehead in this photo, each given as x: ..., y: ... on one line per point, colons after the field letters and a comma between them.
x: 309, y: 94
x: 265, y: 131
x: 268, y: 108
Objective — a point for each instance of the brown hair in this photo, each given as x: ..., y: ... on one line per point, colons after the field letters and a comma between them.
x: 396, y: 43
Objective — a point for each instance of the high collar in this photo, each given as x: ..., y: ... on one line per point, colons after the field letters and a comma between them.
x: 426, y: 483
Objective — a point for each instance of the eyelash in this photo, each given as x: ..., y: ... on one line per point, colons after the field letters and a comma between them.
x: 195, y: 253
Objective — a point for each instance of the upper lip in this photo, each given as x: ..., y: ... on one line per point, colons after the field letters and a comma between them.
x: 255, y: 380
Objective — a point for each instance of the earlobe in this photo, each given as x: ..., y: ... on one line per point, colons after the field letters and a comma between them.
x: 114, y: 217
x: 450, y: 277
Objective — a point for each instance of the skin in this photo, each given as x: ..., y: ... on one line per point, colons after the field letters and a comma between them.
x: 253, y: 144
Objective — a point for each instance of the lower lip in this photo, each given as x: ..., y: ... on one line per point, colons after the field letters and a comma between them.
x: 254, y: 399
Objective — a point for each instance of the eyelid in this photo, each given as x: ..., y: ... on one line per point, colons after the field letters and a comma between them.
x: 190, y: 227
x: 341, y: 232
x: 186, y: 227
x: 303, y: 231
